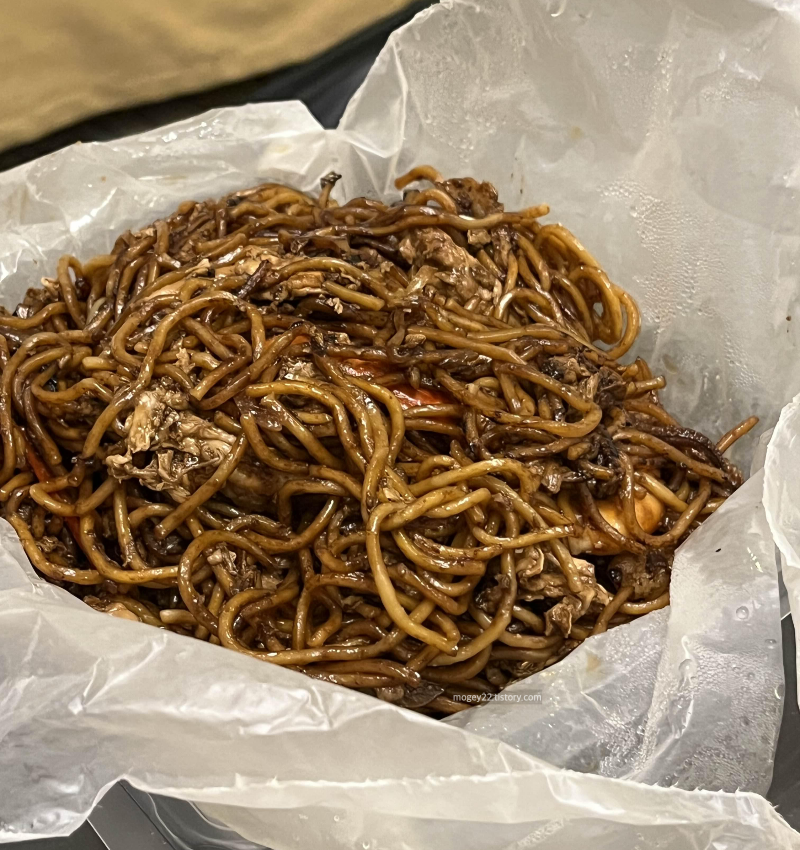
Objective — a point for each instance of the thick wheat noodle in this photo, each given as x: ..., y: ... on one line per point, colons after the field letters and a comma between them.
x: 300, y: 625
x: 216, y: 375
x: 435, y: 563
x: 460, y: 553
x: 653, y: 410
x: 9, y: 370
x: 639, y: 388
x: 584, y: 313
x: 295, y: 487
x: 378, y: 667
x: 314, y: 392
x: 534, y: 519
x: 674, y: 454
x: 336, y: 265
x: 87, y: 385
x: 35, y: 321
x: 87, y: 539
x: 184, y: 571
x: 681, y: 524
x: 632, y: 326
x: 32, y: 364
x: 442, y: 198
x: 264, y: 453
x: 130, y: 555
x: 459, y: 341
x: 352, y: 680
x: 40, y: 493
x: 347, y: 482
x: 504, y: 610
x: 511, y: 639
x: 177, y: 616
x: 386, y: 589
x: 536, y: 260
x: 465, y: 473
x: 727, y: 440
x: 591, y: 510
x: 377, y: 462
x: 67, y: 286
x: 419, y: 172
x: 23, y: 479
x: 321, y: 635
x: 354, y: 440
x: 126, y: 398
x: 345, y: 397
x: 460, y: 504
x: 449, y: 588
x: 45, y: 566
x: 580, y: 428
x: 611, y: 609
x: 638, y: 608
x: 328, y: 561
x: 396, y: 417
x: 524, y: 539
x: 608, y: 327
x: 661, y: 491
x: 205, y: 491
x: 410, y: 579
x: 534, y: 621
x: 344, y: 653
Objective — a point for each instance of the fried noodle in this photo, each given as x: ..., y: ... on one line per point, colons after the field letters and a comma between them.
x: 393, y: 446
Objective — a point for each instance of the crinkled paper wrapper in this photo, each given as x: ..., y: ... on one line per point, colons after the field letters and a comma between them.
x: 664, y: 134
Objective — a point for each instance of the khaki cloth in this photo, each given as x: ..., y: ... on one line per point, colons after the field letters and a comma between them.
x: 64, y: 60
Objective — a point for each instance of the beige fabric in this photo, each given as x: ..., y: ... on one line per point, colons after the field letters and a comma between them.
x: 63, y: 60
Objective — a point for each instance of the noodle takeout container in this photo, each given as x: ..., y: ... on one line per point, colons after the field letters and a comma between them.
x: 663, y: 135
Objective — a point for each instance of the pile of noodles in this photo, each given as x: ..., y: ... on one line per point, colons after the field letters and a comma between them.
x: 390, y: 445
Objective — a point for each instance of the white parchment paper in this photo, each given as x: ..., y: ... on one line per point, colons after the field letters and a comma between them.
x: 664, y: 134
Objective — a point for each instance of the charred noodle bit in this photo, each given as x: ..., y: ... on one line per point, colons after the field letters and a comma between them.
x: 389, y: 445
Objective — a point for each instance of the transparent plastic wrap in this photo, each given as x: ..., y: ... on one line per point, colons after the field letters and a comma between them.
x: 782, y: 500
x: 636, y: 123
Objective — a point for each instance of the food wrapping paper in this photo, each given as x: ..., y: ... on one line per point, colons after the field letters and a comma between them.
x: 782, y: 501
x: 663, y: 134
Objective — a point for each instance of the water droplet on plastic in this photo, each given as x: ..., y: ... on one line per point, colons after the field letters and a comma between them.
x: 742, y: 612
x: 336, y: 818
x: 780, y: 690
x: 771, y: 642
x: 687, y: 667
x: 559, y: 9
